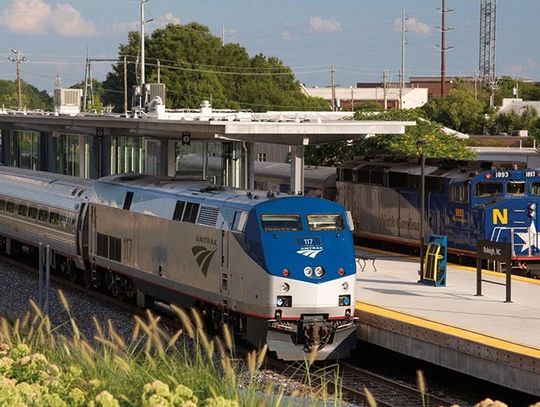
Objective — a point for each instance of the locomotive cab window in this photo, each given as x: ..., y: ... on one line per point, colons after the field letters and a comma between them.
x: 325, y: 222
x: 281, y: 222
x: 486, y: 189
x: 516, y: 188
x: 535, y: 190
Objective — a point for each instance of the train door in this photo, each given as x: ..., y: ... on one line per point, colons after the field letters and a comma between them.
x: 224, y: 280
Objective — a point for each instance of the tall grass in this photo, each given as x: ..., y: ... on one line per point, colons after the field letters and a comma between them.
x: 154, y: 367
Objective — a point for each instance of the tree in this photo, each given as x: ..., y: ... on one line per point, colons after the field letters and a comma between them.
x: 460, y: 111
x: 439, y: 144
x: 195, y: 66
x: 32, y: 97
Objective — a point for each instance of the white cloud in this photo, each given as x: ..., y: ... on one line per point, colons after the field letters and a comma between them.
x: 68, y: 22
x: 320, y: 25
x: 26, y: 16
x: 286, y: 35
x: 521, y: 70
x: 414, y: 25
x: 37, y: 16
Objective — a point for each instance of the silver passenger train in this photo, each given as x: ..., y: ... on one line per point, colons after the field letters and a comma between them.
x: 279, y: 269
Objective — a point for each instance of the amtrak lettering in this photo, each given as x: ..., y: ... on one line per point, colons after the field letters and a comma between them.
x: 392, y: 222
x: 206, y: 240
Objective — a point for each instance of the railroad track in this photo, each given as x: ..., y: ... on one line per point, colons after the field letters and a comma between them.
x: 387, y: 392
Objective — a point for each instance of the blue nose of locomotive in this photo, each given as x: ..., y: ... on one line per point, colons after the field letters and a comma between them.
x: 301, y: 238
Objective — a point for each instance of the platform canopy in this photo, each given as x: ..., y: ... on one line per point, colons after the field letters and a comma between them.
x: 288, y: 128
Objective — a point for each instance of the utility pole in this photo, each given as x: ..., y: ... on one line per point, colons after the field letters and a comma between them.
x: 404, y: 19
x: 333, y: 72
x: 352, y: 99
x: 18, y: 59
x: 223, y: 36
x: 158, y: 71
x: 88, y: 91
x: 142, y: 101
x: 125, y: 86
x: 385, y: 88
x: 444, y: 48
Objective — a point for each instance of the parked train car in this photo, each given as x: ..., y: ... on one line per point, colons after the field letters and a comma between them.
x: 319, y: 181
x: 279, y: 269
x: 466, y: 201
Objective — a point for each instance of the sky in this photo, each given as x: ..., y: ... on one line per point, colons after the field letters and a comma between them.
x: 360, y: 38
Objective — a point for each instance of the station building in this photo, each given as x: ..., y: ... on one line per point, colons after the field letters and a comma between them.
x: 219, y: 145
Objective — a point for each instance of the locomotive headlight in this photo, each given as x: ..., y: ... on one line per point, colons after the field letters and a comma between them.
x: 285, y: 288
x: 345, y: 286
x: 319, y: 271
x: 308, y: 271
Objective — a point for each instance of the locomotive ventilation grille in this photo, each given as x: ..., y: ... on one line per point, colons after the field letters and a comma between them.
x: 208, y: 216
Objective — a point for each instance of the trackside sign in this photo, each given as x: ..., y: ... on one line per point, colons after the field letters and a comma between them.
x: 489, y: 250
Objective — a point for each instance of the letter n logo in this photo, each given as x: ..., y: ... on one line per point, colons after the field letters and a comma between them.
x: 500, y: 217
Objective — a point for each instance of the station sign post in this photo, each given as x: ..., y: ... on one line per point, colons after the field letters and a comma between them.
x: 500, y: 252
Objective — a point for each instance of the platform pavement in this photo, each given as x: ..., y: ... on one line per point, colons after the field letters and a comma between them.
x: 450, y: 326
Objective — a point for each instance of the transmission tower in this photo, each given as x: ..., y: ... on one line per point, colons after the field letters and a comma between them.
x: 488, y: 18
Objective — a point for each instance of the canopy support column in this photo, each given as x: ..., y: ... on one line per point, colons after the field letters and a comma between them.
x: 297, y: 170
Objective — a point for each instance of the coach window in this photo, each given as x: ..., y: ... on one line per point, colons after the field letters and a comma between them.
x: 23, y: 210
x: 2, y: 205
x: 516, y: 188
x: 281, y: 222
x: 54, y: 218
x: 32, y: 212
x: 486, y: 189
x: 10, y: 207
x: 43, y: 215
x: 239, y: 222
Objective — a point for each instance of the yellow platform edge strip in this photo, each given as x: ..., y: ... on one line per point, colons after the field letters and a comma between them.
x: 449, y: 330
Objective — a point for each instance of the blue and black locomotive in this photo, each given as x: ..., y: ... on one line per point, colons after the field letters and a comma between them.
x: 466, y: 201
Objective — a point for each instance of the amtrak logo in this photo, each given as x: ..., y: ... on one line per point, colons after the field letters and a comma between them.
x: 203, y: 257
x: 311, y: 253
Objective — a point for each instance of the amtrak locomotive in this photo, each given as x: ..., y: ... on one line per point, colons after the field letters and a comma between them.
x: 279, y: 269
x: 466, y: 201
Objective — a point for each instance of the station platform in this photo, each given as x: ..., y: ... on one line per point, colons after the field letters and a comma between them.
x: 449, y: 326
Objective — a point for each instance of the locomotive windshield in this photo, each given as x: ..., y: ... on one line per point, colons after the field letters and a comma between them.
x: 485, y: 189
x: 516, y: 188
x: 281, y: 222
x: 325, y: 222
x: 535, y: 189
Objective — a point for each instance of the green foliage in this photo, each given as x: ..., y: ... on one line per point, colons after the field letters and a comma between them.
x: 39, y: 366
x: 33, y: 99
x: 195, y: 66
x: 439, y: 144
x: 460, y: 111
x: 526, y: 90
x: 508, y: 122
